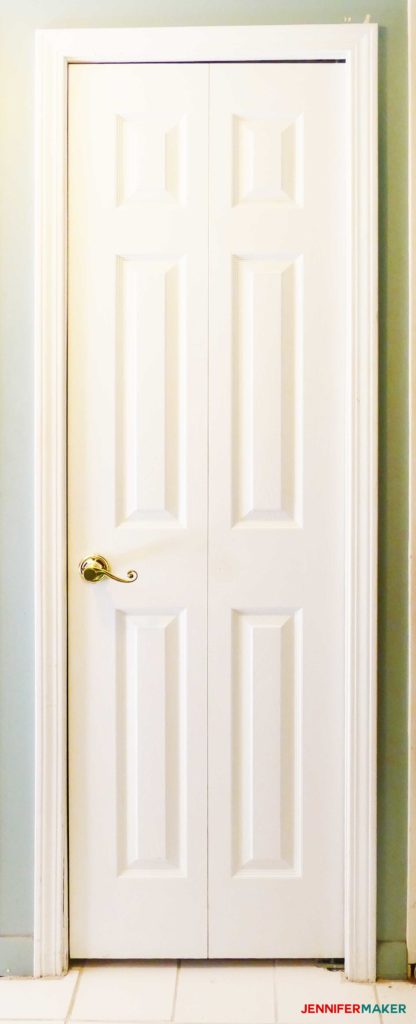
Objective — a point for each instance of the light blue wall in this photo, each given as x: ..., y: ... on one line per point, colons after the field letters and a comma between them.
x: 18, y: 21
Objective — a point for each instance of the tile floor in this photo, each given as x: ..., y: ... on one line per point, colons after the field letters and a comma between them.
x: 261, y: 992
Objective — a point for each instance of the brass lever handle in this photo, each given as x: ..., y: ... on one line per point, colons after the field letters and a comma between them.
x: 95, y: 568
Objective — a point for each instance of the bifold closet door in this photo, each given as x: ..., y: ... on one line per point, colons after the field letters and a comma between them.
x: 227, y: 654
x: 137, y: 487
x: 278, y: 343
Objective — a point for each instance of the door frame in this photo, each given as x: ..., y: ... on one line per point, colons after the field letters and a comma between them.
x: 55, y: 49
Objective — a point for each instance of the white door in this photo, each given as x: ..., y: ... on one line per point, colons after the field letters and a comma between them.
x: 276, y: 509
x: 207, y: 252
x: 138, y: 346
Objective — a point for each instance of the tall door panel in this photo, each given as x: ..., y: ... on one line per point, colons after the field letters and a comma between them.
x: 138, y: 284
x: 278, y: 339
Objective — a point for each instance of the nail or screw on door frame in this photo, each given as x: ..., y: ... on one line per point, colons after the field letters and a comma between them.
x: 357, y: 46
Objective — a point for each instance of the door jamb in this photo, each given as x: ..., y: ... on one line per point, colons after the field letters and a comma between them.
x: 55, y: 49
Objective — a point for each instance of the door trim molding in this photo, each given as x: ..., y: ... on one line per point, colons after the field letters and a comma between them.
x: 55, y: 49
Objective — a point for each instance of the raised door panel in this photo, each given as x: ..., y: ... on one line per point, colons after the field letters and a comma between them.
x: 266, y: 671
x: 278, y: 344
x: 151, y: 745
x: 266, y: 359
x: 137, y: 483
x: 151, y: 399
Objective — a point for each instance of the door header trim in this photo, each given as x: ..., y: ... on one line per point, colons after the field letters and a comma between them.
x: 357, y: 46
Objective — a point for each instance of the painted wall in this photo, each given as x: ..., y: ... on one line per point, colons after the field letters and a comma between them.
x: 18, y: 21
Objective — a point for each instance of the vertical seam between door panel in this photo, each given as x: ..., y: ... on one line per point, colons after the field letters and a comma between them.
x: 208, y: 479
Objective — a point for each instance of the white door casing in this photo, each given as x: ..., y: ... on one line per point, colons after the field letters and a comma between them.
x: 357, y: 45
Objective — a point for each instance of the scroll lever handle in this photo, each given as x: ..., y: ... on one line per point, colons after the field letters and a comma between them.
x: 96, y: 567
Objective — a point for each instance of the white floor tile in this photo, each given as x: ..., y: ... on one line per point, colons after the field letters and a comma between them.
x: 226, y: 993
x: 46, y: 999
x: 297, y: 986
x: 206, y: 993
x: 397, y: 992
x: 126, y: 992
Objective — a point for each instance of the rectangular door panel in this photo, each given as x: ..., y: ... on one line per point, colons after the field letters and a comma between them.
x: 151, y: 353
x: 151, y: 747
x: 266, y: 360
x: 278, y: 344
x: 266, y: 664
x: 137, y: 484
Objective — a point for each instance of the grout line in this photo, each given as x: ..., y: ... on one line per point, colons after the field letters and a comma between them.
x: 374, y: 988
x: 275, y: 1002
x: 73, y: 997
x: 175, y: 991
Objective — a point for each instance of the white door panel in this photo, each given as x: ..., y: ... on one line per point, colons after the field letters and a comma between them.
x: 207, y: 228
x: 137, y: 494
x: 278, y: 339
